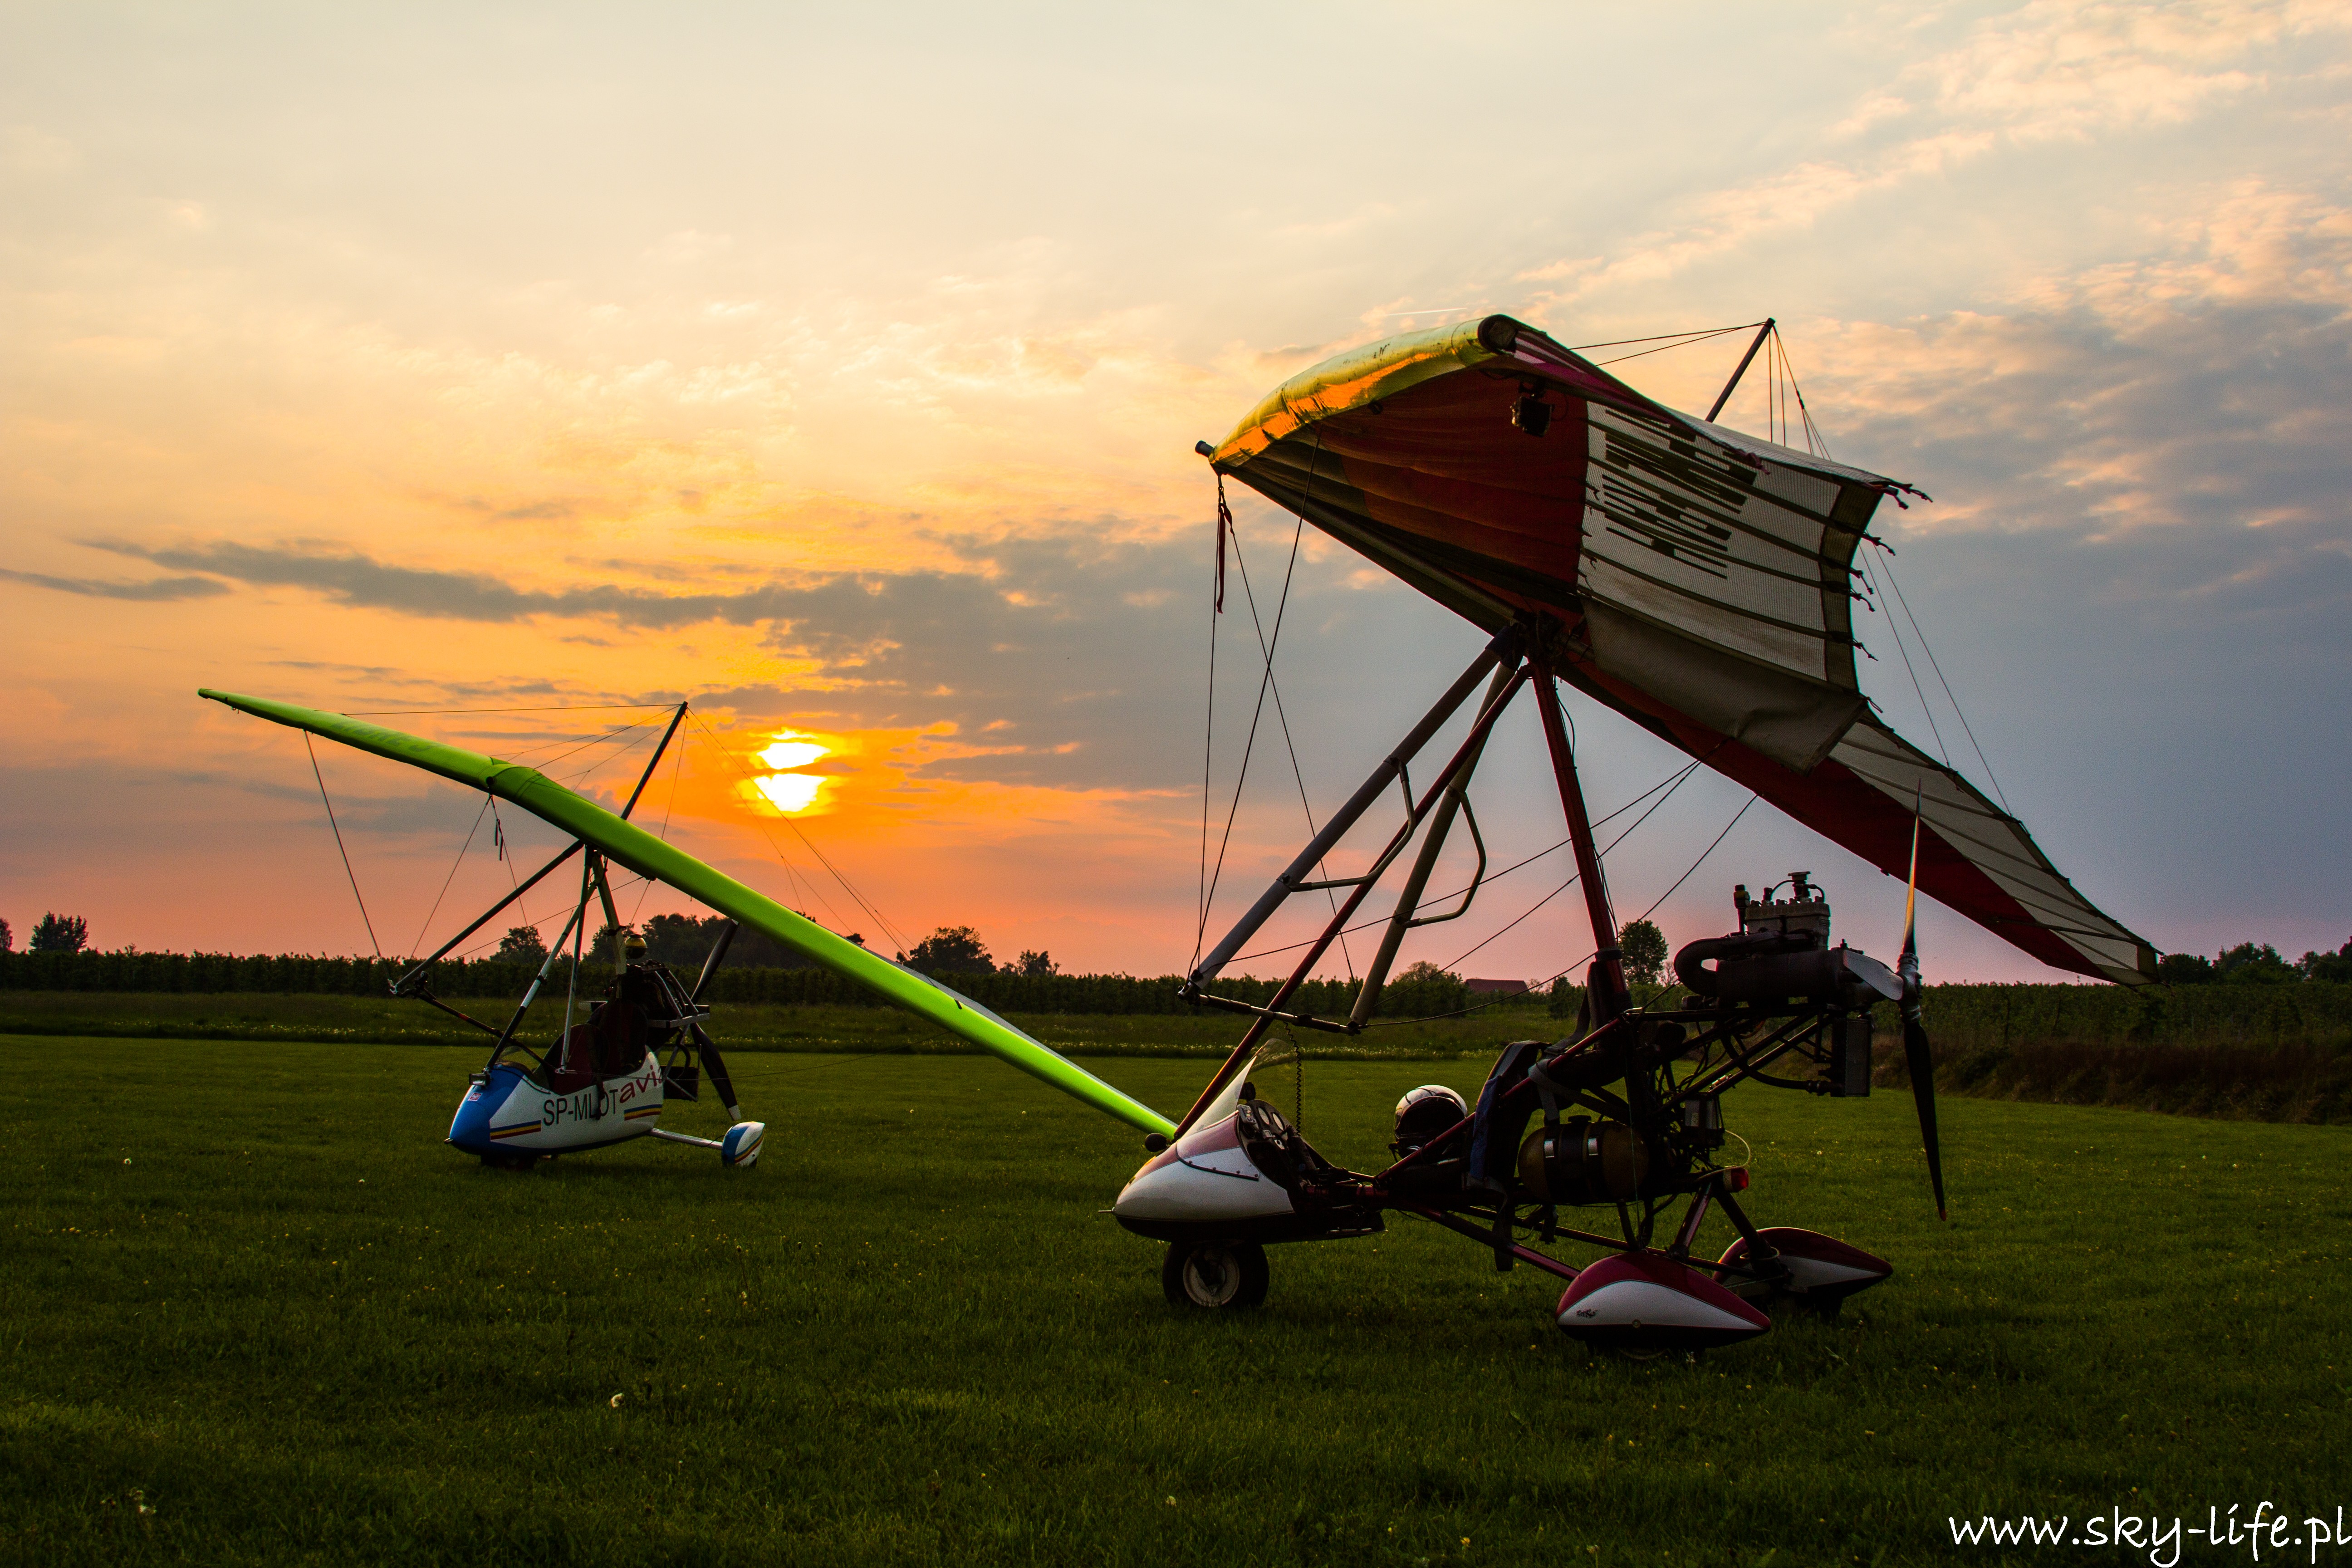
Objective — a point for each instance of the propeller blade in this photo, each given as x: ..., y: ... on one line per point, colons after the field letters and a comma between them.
x: 1918, y: 1055
x: 710, y: 964
x: 1910, y: 964
x: 711, y: 1064
x: 1921, y: 1059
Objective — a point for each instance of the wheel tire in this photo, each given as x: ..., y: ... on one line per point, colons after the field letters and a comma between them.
x: 505, y: 1161
x: 1214, y: 1276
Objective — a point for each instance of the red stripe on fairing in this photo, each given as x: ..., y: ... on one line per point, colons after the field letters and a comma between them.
x: 1851, y: 812
x: 1654, y: 1268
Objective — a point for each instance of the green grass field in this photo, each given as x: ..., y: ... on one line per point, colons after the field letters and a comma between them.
x: 249, y: 1289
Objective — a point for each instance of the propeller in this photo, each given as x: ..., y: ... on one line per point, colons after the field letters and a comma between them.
x: 1916, y: 1053
x: 703, y: 1046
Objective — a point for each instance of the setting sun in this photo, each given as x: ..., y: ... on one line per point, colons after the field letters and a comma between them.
x: 793, y: 750
x: 791, y: 792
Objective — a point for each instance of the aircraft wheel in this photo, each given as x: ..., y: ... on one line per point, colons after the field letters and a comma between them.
x: 506, y: 1161
x: 1218, y: 1276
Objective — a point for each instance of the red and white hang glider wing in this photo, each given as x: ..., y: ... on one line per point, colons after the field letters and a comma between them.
x: 1704, y: 580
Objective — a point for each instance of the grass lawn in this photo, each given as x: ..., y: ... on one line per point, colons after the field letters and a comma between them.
x: 248, y: 1288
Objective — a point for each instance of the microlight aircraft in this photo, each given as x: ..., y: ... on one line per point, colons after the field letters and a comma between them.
x: 1691, y: 578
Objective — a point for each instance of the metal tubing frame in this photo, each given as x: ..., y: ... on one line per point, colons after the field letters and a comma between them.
x: 530, y: 992
x: 400, y: 987
x: 1745, y: 359
x: 1475, y: 739
x: 1524, y: 1253
x: 1609, y: 958
x: 1367, y: 994
x: 1502, y: 650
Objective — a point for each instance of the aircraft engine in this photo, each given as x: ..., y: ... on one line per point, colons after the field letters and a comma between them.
x: 1582, y: 1161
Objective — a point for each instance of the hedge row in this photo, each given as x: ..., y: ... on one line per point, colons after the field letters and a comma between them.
x: 130, y: 971
x: 1980, y: 1018
x: 1958, y: 1017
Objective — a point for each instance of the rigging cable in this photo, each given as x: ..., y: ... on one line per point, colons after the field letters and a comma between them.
x: 1249, y: 749
x: 339, y: 846
x: 1645, y: 914
x: 1282, y: 719
x: 418, y: 946
x: 1679, y: 781
x: 881, y: 921
x: 499, y: 836
x: 1895, y: 627
x: 1888, y: 563
x: 1684, y: 341
x: 550, y: 708
x: 1491, y: 877
x: 668, y: 802
x: 1209, y: 735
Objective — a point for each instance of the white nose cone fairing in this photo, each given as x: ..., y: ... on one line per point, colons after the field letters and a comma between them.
x: 1205, y: 1181
x: 1243, y: 1174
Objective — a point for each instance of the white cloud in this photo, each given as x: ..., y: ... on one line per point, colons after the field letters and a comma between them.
x: 2046, y: 72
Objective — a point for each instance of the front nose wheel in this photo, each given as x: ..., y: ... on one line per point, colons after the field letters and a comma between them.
x: 1216, y: 1275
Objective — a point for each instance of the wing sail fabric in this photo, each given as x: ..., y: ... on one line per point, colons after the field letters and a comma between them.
x: 631, y: 846
x: 1705, y: 578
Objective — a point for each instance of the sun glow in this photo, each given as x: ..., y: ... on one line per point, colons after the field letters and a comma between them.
x: 792, y: 752
x: 787, y: 791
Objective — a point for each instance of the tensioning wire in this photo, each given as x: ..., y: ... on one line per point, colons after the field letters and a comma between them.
x: 553, y: 708
x: 1435, y: 898
x: 1257, y: 714
x: 346, y: 854
x: 1282, y: 719
x: 1589, y: 957
x: 419, y: 945
x: 897, y: 937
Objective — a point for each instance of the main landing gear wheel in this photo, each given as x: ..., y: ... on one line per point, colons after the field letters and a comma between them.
x: 1220, y: 1275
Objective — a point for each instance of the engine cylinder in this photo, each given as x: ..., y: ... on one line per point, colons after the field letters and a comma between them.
x: 1582, y: 1161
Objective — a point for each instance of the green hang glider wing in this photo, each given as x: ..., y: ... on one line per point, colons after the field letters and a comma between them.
x: 640, y: 852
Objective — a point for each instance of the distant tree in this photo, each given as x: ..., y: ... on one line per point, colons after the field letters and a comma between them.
x: 1035, y: 962
x: 2251, y: 964
x: 8, y: 938
x: 1424, y: 991
x: 1646, y: 952
x: 522, y: 944
x: 684, y: 941
x: 1564, y: 998
x: 952, y: 950
x: 2336, y: 966
x: 2184, y: 969
x: 60, y: 933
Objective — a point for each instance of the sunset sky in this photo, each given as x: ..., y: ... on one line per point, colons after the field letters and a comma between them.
x: 838, y: 369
